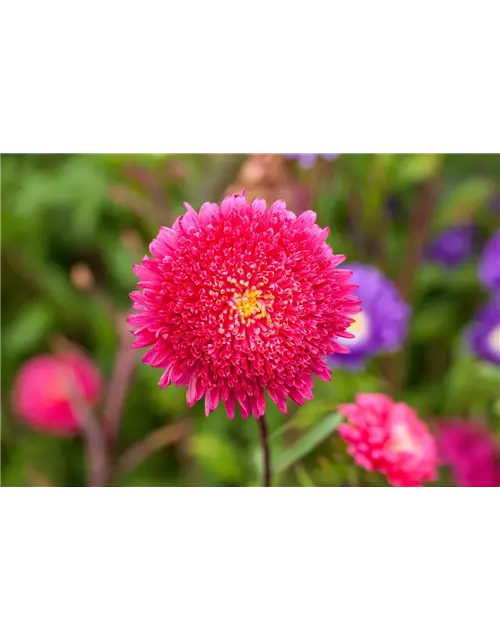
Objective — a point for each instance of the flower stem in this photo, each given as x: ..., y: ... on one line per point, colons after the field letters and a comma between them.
x: 267, y: 451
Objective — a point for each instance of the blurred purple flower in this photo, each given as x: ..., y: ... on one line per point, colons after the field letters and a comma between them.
x: 452, y: 247
x: 307, y: 160
x: 471, y: 452
x: 489, y: 266
x: 382, y: 324
x: 484, y: 334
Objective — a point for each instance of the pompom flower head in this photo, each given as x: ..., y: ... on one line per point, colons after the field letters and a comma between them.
x: 381, y: 325
x: 241, y: 298
x: 452, y: 247
x: 471, y: 452
x: 489, y: 266
x: 307, y: 160
x: 387, y: 436
x: 484, y: 334
x: 42, y: 392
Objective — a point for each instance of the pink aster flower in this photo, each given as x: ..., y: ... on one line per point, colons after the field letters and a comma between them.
x: 471, y: 451
x: 41, y: 394
x: 241, y: 298
x: 387, y: 436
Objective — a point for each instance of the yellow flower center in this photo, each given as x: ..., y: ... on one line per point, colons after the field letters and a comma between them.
x: 249, y: 304
x: 494, y: 339
x: 359, y: 327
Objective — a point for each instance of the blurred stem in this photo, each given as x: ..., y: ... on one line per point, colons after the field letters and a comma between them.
x: 123, y: 372
x: 375, y: 217
x: 154, y: 441
x: 96, y: 446
x: 37, y: 479
x: 420, y: 222
x: 224, y: 172
x: 264, y: 436
x: 355, y: 210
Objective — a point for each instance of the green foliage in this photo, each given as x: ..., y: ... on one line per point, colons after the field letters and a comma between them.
x: 415, y: 169
x: 307, y: 442
x: 462, y: 204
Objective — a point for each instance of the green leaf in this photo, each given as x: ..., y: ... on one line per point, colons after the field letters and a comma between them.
x: 416, y: 168
x: 218, y: 456
x: 437, y: 319
x: 283, y: 460
x: 459, y: 280
x: 303, y: 478
x: 28, y: 330
x: 120, y: 263
x: 143, y: 159
x: 461, y: 205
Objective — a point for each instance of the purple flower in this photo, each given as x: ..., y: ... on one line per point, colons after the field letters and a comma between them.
x: 489, y: 266
x: 452, y: 247
x: 307, y: 160
x: 382, y: 324
x: 484, y: 334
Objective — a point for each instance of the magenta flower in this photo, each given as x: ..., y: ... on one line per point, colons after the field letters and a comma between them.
x: 387, y: 436
x: 471, y: 451
x: 489, y: 266
x: 42, y: 392
x: 307, y: 160
x: 241, y: 298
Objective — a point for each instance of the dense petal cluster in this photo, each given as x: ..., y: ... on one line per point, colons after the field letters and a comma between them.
x: 484, y: 333
x: 452, y: 247
x: 44, y: 389
x: 489, y: 266
x: 471, y: 451
x: 307, y: 160
x: 382, y: 324
x: 241, y: 298
x: 387, y: 436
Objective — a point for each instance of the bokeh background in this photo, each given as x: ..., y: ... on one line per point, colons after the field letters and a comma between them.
x: 74, y: 225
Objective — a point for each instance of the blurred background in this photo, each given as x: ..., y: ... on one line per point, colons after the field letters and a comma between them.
x: 73, y: 226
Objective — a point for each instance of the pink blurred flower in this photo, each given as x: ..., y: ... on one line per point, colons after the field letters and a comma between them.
x: 471, y: 451
x: 241, y: 298
x: 41, y: 394
x: 387, y: 436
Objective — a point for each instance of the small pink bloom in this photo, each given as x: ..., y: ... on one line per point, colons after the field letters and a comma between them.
x: 41, y: 394
x: 387, y: 436
x: 471, y: 451
x: 240, y: 298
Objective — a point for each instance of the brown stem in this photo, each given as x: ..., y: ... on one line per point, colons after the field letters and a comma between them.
x: 420, y: 224
x: 96, y: 446
x: 264, y: 436
x: 143, y: 206
x: 419, y: 228
x: 95, y: 440
x: 140, y: 451
x: 355, y: 209
x: 123, y: 372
